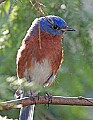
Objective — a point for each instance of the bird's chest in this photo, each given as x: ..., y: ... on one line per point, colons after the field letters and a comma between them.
x: 51, y: 49
x: 45, y: 61
x: 40, y: 72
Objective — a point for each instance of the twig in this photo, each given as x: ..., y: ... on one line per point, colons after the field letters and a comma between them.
x: 38, y: 6
x: 56, y: 100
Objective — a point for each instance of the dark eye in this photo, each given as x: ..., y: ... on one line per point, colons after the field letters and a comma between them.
x: 55, y: 27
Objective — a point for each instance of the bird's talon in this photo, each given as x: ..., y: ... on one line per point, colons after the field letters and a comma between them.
x: 32, y: 97
x: 49, y: 97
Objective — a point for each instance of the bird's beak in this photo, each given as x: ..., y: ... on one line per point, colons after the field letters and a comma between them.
x: 67, y: 29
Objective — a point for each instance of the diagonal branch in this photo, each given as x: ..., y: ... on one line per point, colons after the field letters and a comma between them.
x: 56, y: 100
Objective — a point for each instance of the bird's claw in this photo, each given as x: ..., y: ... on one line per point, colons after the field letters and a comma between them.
x: 49, y: 97
x: 33, y: 97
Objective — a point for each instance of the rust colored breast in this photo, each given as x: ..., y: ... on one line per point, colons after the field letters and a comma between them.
x: 51, y: 49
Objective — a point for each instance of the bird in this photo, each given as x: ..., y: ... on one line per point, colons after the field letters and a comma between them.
x: 40, y: 55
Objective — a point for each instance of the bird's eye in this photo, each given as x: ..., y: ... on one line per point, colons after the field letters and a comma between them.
x: 55, y: 27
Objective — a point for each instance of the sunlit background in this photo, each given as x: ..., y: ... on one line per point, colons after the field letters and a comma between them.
x: 75, y: 76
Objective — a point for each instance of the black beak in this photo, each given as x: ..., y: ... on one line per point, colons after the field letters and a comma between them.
x: 69, y: 29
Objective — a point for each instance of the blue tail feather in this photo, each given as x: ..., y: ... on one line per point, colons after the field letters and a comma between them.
x: 26, y: 113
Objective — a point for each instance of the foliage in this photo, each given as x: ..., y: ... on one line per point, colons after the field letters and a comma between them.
x: 76, y: 73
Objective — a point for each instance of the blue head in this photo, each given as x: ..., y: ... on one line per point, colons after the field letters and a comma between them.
x: 51, y: 24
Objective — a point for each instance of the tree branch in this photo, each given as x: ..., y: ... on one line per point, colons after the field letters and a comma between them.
x: 56, y: 100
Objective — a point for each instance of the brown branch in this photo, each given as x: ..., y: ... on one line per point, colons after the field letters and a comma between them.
x: 2, y: 1
x: 56, y: 100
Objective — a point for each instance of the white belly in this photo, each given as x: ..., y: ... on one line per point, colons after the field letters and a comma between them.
x: 40, y: 73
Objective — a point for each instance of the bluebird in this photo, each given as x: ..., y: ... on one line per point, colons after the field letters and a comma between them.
x: 40, y: 55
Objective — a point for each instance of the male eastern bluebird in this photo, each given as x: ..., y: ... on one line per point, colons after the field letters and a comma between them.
x: 40, y: 55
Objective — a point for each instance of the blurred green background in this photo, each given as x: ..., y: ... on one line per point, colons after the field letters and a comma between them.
x: 75, y: 76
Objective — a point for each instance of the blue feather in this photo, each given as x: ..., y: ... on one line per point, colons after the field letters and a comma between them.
x: 47, y: 26
x: 26, y: 113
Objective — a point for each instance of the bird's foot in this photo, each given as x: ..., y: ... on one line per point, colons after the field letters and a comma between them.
x: 48, y: 97
x: 33, y: 97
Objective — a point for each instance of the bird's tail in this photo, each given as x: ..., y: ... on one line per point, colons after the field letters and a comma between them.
x: 26, y: 113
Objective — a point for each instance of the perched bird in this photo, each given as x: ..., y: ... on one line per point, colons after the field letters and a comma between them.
x: 40, y: 55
